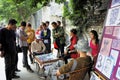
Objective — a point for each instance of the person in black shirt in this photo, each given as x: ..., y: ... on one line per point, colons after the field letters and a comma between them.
x: 8, y: 48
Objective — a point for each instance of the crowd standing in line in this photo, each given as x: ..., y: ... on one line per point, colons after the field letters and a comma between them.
x: 39, y: 42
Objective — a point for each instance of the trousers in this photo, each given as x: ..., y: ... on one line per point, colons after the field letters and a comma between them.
x: 25, y: 57
x: 9, y: 65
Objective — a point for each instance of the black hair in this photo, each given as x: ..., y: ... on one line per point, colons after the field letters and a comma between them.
x: 47, y: 22
x: 58, y: 22
x: 44, y: 24
x: 74, y: 31
x: 54, y: 23
x: 23, y: 23
x: 12, y: 21
x: 95, y: 35
x: 29, y: 25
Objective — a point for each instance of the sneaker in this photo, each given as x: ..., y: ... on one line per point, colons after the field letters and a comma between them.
x: 15, y: 76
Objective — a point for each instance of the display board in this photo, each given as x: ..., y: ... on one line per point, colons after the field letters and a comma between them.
x: 108, y: 60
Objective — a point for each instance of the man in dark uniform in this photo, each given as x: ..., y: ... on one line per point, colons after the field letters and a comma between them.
x: 8, y: 48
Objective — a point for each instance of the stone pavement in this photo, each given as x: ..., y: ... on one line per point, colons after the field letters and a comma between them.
x: 24, y: 74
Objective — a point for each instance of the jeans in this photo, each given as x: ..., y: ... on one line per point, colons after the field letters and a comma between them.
x: 25, y: 58
x: 9, y: 65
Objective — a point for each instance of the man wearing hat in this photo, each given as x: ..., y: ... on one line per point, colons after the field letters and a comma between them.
x: 78, y: 64
x: 37, y: 47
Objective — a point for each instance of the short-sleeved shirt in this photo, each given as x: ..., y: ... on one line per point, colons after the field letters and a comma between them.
x: 21, y: 33
x: 31, y: 35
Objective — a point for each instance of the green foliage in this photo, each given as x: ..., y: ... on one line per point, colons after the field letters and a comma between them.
x: 81, y: 12
x: 76, y: 11
x: 66, y: 11
x: 60, y: 1
x: 18, y: 9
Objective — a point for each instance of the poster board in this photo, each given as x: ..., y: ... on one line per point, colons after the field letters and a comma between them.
x: 108, y: 60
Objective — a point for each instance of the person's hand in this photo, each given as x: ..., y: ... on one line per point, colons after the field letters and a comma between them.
x: 38, y: 51
x: 58, y: 73
x: 65, y: 52
x: 0, y: 46
x: 1, y: 53
x: 56, y: 34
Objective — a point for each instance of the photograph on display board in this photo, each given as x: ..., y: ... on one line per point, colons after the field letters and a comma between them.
x: 118, y: 73
x: 108, y: 67
x: 115, y: 3
x: 113, y: 17
x: 94, y: 77
x: 109, y: 30
x: 114, y: 54
x: 116, y: 44
x: 100, y: 62
x: 116, y: 32
x: 106, y: 45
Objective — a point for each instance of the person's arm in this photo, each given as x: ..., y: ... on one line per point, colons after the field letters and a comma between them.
x: 42, y: 34
x: 64, y: 69
x: 32, y: 47
x: 53, y: 34
x: 43, y: 47
x: 22, y: 37
x: 60, y: 32
x: 1, y: 44
x: 73, y: 43
x: 1, y: 39
x: 48, y: 34
x: 33, y: 34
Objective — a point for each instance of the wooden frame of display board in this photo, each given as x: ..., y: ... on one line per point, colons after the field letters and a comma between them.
x: 107, y: 66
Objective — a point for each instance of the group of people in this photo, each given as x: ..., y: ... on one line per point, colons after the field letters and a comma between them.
x: 82, y: 51
x: 39, y: 42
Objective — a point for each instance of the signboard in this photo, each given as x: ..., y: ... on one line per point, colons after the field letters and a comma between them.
x: 108, y: 61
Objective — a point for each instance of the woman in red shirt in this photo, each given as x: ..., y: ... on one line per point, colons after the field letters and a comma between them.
x: 94, y: 43
x: 70, y: 52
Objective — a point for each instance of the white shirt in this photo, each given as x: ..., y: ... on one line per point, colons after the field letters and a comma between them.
x: 38, y: 46
x: 21, y: 33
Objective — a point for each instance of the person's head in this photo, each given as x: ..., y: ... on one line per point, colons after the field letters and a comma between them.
x: 29, y: 26
x: 37, y: 40
x: 73, y: 32
x: 54, y: 24
x: 47, y: 23
x: 12, y: 23
x: 82, y: 47
x: 94, y: 35
x: 23, y: 24
x: 58, y: 23
x: 14, y: 28
x: 41, y: 27
x: 44, y: 26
